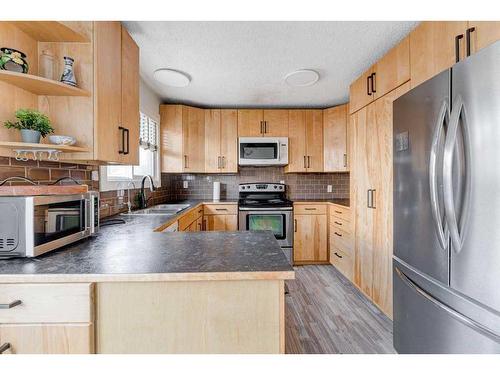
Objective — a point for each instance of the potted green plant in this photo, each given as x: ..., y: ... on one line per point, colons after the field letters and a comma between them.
x: 32, y: 125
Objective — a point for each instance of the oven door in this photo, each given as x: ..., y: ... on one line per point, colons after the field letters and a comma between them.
x: 276, y: 221
x: 259, y: 151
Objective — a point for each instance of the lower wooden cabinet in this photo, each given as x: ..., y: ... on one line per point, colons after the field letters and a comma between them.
x: 341, y: 240
x: 310, y: 238
x: 47, y: 338
x: 220, y: 222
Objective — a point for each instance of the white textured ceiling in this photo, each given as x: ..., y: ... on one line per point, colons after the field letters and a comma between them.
x: 243, y: 64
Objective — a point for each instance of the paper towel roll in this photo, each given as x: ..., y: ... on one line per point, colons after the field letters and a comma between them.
x: 216, y: 196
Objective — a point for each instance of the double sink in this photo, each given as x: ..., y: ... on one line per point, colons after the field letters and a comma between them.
x: 160, y: 209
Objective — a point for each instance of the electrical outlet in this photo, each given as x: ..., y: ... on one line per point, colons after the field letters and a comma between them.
x: 95, y: 176
x: 185, y: 184
x: 329, y: 188
x: 120, y: 193
x: 282, y: 182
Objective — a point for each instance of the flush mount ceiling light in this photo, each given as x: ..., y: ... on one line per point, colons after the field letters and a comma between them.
x: 302, y: 77
x: 172, y: 77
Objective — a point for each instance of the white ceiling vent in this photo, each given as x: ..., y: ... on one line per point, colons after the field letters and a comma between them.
x: 302, y: 77
x: 172, y: 77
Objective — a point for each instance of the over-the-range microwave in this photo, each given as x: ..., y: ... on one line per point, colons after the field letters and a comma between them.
x: 33, y: 225
x: 262, y: 151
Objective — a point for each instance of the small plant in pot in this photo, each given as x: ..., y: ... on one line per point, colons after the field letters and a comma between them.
x: 32, y: 125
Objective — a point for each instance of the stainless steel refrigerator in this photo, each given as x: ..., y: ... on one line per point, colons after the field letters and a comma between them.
x: 446, y: 264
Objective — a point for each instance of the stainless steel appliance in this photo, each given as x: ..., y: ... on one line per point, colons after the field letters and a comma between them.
x: 446, y: 265
x: 263, y: 206
x: 263, y: 151
x: 33, y: 225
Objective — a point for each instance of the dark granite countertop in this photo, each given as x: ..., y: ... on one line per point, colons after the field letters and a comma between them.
x: 131, y: 250
x: 341, y: 202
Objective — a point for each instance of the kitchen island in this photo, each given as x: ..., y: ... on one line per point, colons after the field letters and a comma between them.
x: 133, y: 290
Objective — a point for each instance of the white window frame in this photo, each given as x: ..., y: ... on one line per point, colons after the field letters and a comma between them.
x: 117, y: 183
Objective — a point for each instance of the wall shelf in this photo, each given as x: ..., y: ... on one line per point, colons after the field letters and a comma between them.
x: 43, y: 146
x: 40, y: 85
x: 50, y: 31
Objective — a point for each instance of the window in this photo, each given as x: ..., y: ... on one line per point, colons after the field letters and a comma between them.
x: 115, y: 177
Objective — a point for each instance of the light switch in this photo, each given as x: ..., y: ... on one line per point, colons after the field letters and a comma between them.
x: 185, y: 184
x: 329, y: 188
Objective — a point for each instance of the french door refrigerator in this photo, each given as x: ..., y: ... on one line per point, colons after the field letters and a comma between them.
x: 446, y: 264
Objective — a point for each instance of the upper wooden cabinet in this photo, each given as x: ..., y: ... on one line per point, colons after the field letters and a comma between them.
x: 482, y: 34
x: 335, y: 139
x: 389, y: 72
x: 182, y: 131
x: 305, y: 141
x: 221, y: 141
x: 263, y: 123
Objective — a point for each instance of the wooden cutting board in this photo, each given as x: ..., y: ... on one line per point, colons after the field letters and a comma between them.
x: 43, y: 190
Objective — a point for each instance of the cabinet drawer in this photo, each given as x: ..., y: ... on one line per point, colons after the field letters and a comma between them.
x: 309, y: 209
x: 343, y: 262
x: 341, y: 240
x: 342, y: 224
x: 48, y: 338
x: 192, y: 215
x: 47, y: 303
x: 341, y: 212
x: 220, y: 209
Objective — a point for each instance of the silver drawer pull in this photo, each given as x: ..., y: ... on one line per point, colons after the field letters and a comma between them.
x: 337, y: 212
x: 336, y: 222
x: 10, y: 305
x: 338, y: 234
x: 310, y: 209
x: 4, y: 347
x: 221, y: 209
x: 338, y: 256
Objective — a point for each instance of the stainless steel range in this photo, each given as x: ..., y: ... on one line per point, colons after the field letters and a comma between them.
x: 264, y: 206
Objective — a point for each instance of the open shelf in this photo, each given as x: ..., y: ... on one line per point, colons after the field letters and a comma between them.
x: 42, y: 146
x: 40, y: 85
x: 50, y: 31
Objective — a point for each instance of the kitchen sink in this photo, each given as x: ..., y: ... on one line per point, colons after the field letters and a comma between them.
x: 160, y: 209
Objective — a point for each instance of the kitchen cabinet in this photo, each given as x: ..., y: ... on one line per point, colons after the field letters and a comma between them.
x: 116, y: 72
x: 391, y: 71
x: 263, y: 123
x: 481, y: 34
x: 435, y: 46
x: 191, y: 221
x: 341, y: 240
x: 371, y: 177
x: 48, y: 338
x: 305, y: 141
x: 220, y: 217
x: 335, y: 139
x: 221, y: 141
x: 182, y: 131
x: 310, y: 235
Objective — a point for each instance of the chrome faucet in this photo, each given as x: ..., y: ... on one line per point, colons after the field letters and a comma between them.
x: 129, y: 204
x: 142, y: 196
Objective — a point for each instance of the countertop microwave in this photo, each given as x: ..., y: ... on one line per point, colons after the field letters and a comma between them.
x: 262, y: 151
x: 33, y: 225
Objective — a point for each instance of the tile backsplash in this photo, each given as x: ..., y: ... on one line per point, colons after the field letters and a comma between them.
x: 300, y: 186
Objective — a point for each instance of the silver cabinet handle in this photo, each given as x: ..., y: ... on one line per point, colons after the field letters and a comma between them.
x: 374, y: 206
x: 218, y: 162
x: 265, y: 127
x: 295, y: 225
x: 308, y: 162
x: 185, y: 161
x: 310, y: 209
x: 305, y: 162
x: 337, y: 255
x: 368, y: 196
x: 4, y: 347
x: 221, y: 209
x: 449, y: 147
x: 262, y: 127
x: 443, y: 118
x: 223, y: 162
x: 458, y: 316
x: 10, y: 305
x: 336, y: 222
x: 345, y: 160
x: 338, y: 234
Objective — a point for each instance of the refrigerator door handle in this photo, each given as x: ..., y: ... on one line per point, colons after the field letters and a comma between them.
x: 443, y: 118
x: 454, y: 313
x: 456, y: 234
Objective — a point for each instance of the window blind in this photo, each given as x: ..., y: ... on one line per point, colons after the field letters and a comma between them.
x: 148, y: 133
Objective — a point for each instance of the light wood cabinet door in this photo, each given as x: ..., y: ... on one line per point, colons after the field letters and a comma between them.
x: 221, y: 222
x: 250, y: 122
x: 276, y: 123
x: 393, y: 69
x: 432, y: 46
x: 314, y: 140
x: 171, y: 138
x: 193, y: 136
x: 229, y: 140
x: 297, y: 159
x: 310, y: 239
x: 484, y: 34
x: 212, y: 140
x: 360, y: 92
x: 130, y: 98
x: 108, y: 99
x: 335, y: 139
x: 48, y: 338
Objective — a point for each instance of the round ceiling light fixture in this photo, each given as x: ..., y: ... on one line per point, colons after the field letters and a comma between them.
x: 171, y: 77
x: 302, y: 77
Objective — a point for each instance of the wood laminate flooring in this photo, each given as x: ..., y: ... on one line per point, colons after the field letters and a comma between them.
x: 325, y: 313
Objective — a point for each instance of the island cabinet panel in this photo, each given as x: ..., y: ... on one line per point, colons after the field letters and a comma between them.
x: 191, y: 317
x: 335, y: 139
x: 310, y: 237
x: 48, y: 338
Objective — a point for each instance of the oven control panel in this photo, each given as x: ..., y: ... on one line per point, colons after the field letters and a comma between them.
x: 262, y: 187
